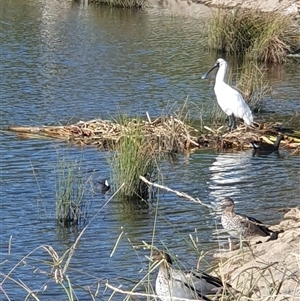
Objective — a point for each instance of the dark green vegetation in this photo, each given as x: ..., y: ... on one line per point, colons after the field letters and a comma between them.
x: 135, y: 155
x: 71, y: 205
x: 263, y: 37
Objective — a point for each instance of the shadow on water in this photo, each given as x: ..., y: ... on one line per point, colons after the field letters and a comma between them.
x: 67, y: 235
x: 131, y: 210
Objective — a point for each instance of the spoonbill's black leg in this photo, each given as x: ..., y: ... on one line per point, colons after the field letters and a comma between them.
x: 233, y: 123
x: 229, y: 122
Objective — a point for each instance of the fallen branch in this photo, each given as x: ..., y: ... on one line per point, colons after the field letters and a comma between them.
x: 182, y: 194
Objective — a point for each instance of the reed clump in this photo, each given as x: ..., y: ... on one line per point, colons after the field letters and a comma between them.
x: 70, y: 189
x: 264, y: 37
x: 168, y: 134
x: 253, y: 84
x: 134, y: 156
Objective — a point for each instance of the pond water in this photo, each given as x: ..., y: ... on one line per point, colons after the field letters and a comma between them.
x: 61, y: 61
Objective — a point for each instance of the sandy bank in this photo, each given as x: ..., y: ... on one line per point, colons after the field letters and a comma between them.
x: 202, y: 8
x: 285, y: 6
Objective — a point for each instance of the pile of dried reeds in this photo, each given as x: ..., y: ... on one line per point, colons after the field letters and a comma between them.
x: 240, y: 138
x: 164, y: 134
x: 168, y: 134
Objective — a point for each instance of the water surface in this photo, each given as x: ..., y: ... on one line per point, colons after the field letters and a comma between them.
x: 60, y: 62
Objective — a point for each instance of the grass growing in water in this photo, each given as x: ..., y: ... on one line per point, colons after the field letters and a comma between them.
x: 251, y: 82
x: 47, y: 267
x: 265, y: 37
x: 134, y: 157
x: 70, y: 188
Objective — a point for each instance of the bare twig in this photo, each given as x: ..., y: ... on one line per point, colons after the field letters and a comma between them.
x: 182, y: 194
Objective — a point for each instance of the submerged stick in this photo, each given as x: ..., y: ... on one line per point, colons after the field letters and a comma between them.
x: 182, y: 194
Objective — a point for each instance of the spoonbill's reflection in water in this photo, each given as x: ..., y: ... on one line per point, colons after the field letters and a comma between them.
x: 230, y: 175
x: 230, y: 100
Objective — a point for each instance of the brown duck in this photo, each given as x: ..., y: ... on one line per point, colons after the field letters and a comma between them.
x: 243, y: 226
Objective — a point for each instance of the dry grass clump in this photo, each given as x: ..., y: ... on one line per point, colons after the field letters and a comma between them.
x: 265, y: 37
x: 253, y: 84
x: 240, y: 138
x: 165, y: 135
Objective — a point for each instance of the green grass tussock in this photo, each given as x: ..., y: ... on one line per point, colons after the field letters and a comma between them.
x: 70, y: 189
x: 264, y: 37
x: 134, y: 157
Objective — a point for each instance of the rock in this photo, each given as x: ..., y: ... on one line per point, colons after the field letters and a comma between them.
x: 269, y: 270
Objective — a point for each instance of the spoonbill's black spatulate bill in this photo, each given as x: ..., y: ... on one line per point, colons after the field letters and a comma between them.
x: 230, y: 100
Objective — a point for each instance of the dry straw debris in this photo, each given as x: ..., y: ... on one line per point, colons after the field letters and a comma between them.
x: 165, y: 134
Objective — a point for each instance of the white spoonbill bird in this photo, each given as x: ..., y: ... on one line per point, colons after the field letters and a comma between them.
x: 230, y: 100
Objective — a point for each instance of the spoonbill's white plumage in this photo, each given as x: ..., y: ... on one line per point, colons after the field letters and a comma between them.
x: 230, y: 100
